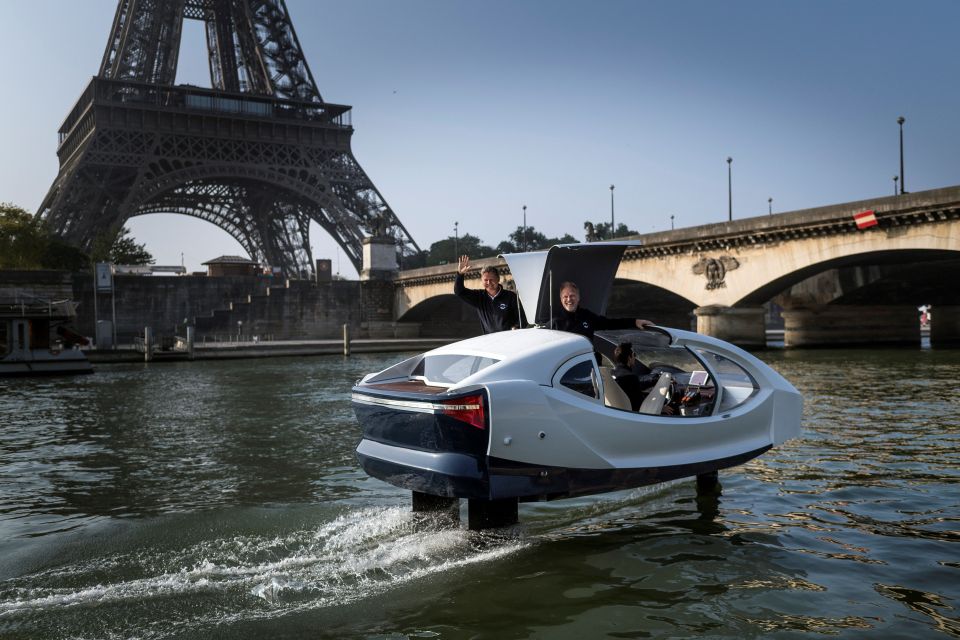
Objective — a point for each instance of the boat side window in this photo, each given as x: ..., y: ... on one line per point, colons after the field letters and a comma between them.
x: 39, y: 334
x: 582, y: 378
x: 737, y: 384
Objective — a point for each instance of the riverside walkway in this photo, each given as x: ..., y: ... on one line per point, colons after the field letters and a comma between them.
x: 269, y: 349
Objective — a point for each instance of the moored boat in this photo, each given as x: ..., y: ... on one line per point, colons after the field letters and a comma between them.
x: 36, y: 339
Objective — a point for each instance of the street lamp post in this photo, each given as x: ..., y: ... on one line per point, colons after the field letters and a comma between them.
x: 895, y: 178
x: 613, y: 226
x: 730, y: 189
x: 524, y: 238
x: 456, y: 242
x: 903, y: 181
x: 671, y: 222
x: 770, y: 206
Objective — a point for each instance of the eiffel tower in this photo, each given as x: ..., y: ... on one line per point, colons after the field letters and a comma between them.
x: 259, y: 155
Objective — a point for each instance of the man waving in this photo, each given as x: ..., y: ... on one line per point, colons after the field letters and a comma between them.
x: 499, y: 309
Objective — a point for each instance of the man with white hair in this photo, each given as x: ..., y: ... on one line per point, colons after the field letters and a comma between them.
x: 576, y: 319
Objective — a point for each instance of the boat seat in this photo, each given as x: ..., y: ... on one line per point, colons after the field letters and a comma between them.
x: 613, y: 395
x: 657, y: 397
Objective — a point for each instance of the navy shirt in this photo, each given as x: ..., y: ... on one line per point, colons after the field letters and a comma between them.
x: 585, y: 322
x: 499, y: 313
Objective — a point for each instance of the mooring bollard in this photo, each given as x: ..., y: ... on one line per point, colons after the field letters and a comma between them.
x: 147, y: 344
x: 190, y: 339
x: 346, y: 339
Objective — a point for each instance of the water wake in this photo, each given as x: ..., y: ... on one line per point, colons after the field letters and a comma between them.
x: 359, y: 554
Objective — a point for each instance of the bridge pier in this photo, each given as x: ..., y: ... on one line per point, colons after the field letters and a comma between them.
x: 844, y: 325
x: 377, y: 290
x: 744, y: 327
x: 945, y: 326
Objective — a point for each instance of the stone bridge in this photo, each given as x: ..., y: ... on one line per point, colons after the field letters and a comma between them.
x: 830, y: 281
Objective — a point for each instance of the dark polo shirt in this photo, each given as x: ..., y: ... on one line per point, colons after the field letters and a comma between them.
x: 499, y: 313
x: 585, y: 322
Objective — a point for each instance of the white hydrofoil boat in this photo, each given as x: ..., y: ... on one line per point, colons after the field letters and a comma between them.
x: 534, y: 414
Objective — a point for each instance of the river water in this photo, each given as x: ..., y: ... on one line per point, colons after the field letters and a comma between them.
x: 223, y: 500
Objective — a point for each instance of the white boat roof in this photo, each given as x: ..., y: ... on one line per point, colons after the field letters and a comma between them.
x: 532, y: 354
x: 539, y: 274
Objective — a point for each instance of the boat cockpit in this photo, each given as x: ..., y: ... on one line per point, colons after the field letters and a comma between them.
x: 677, y: 380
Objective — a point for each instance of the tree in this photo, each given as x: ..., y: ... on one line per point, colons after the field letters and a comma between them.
x: 59, y: 255
x: 531, y: 240
x: 126, y: 250
x: 25, y: 243
x: 22, y: 240
x: 602, y: 230
x: 121, y: 250
x: 450, y: 249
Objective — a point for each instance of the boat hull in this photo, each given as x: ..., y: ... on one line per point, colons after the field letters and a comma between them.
x: 458, y: 476
x: 45, y: 367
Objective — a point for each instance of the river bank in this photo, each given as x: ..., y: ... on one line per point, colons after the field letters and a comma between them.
x: 267, y: 349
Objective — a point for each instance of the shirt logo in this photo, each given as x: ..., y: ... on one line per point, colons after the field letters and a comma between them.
x: 586, y: 325
x: 503, y: 306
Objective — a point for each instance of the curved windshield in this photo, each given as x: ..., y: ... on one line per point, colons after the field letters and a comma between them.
x: 450, y: 368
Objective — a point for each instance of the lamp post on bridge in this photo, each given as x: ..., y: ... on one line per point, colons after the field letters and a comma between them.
x: 613, y: 226
x: 895, y: 178
x: 729, y: 189
x: 456, y: 242
x: 903, y: 181
x: 671, y: 222
x: 769, y: 206
x: 524, y: 237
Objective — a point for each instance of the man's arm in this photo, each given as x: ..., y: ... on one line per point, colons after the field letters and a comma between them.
x: 470, y: 296
x: 603, y: 322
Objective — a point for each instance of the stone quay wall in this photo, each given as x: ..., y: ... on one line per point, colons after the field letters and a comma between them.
x: 221, y: 308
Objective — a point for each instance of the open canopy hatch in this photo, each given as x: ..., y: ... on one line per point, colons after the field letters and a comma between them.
x: 539, y: 274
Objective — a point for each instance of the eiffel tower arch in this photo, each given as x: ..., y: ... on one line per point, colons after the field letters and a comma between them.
x: 259, y: 155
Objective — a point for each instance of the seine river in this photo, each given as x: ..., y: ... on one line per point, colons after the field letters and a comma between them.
x: 223, y: 500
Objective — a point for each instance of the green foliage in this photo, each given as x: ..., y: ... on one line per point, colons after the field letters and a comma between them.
x: 448, y: 250
x: 126, y: 250
x: 58, y: 254
x: 26, y: 244
x: 531, y: 240
x: 121, y: 249
x: 444, y: 251
x: 22, y: 240
x: 602, y: 230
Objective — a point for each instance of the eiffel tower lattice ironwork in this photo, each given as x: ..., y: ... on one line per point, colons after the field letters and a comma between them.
x: 259, y: 155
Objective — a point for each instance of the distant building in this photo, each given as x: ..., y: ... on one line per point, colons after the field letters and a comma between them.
x: 147, y: 269
x: 231, y: 266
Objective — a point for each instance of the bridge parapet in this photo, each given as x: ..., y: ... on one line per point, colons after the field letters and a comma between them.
x: 925, y: 207
x: 891, y: 211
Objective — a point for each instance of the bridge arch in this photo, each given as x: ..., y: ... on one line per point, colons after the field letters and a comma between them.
x: 443, y: 315
x: 839, y: 279
x: 635, y: 299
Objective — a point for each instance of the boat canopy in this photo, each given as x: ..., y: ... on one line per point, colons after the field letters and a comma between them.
x: 539, y: 274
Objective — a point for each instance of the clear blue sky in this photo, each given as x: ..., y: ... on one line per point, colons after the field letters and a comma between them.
x: 466, y: 111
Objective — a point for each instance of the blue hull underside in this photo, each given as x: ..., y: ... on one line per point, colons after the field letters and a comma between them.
x: 458, y: 475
